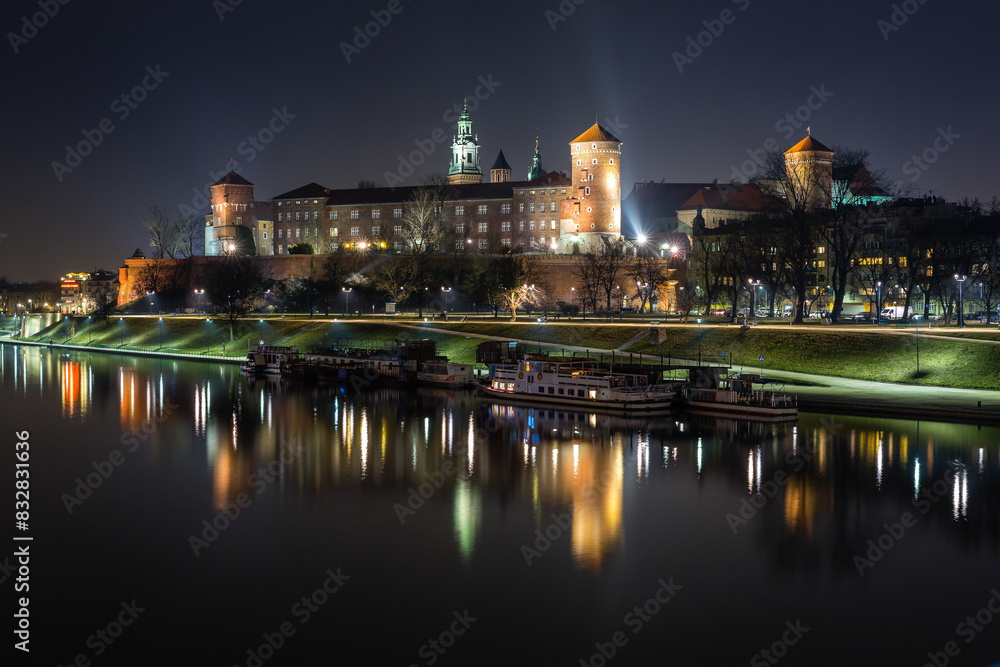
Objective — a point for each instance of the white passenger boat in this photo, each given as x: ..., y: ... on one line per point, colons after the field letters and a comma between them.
x: 444, y: 373
x: 736, y: 395
x: 583, y: 383
x: 269, y: 359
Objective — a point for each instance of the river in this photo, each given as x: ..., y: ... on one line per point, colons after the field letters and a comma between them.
x: 181, y: 512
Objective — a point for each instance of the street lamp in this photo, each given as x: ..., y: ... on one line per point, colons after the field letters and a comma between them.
x: 916, y: 324
x: 197, y: 298
x: 150, y: 295
x: 755, y: 284
x: 878, y: 303
x: 121, y: 332
x: 540, y: 320
x: 447, y: 291
x: 207, y: 346
x: 159, y: 331
x: 347, y: 299
x: 961, y: 305
x: 699, y: 341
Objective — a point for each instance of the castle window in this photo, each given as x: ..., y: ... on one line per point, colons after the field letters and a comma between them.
x: 532, y: 225
x: 459, y: 244
x: 315, y: 215
x: 331, y: 215
x: 280, y: 233
x: 297, y: 214
x: 281, y: 249
x: 594, y: 146
x: 265, y: 236
x: 505, y: 226
x: 376, y: 214
x: 505, y: 209
x: 587, y: 191
x: 355, y: 231
x: 541, y: 226
x: 298, y: 202
x: 521, y: 227
x: 279, y: 216
x: 595, y: 161
x: 483, y: 227
x: 589, y: 210
x: 611, y: 161
x: 307, y: 232
x: 579, y: 162
x: 298, y: 231
x: 459, y: 210
x: 460, y: 228
x: 542, y: 210
x: 520, y: 207
x: 355, y: 214
x: 397, y: 213
x: 534, y: 244
x: 334, y: 231
x: 482, y: 209
x: 505, y: 243
x: 397, y: 245
x: 397, y: 230
x: 531, y: 207
x: 239, y: 221
x: 376, y: 230
x: 280, y: 203
x: 483, y: 244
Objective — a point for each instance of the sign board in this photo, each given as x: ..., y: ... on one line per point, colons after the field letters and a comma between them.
x: 390, y: 309
x: 723, y: 355
x: 760, y: 358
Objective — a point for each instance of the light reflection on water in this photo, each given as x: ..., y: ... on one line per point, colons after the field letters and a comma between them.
x: 510, y: 469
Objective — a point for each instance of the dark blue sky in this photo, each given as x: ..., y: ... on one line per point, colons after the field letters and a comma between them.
x: 221, y: 81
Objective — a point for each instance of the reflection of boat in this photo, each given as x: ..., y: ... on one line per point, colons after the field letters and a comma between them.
x: 710, y: 391
x: 446, y: 374
x: 580, y: 382
x: 268, y: 359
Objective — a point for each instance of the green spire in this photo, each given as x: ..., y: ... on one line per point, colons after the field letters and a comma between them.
x: 537, y: 170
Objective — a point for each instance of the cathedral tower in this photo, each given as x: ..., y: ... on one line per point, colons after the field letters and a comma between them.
x: 232, y: 206
x: 500, y: 171
x: 537, y: 170
x: 594, y: 213
x: 465, y: 166
x: 809, y: 168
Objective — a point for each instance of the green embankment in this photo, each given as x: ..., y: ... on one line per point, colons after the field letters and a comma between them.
x: 861, y: 355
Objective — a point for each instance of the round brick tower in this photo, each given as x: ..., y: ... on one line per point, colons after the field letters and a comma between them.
x: 232, y: 206
x: 595, y: 211
x: 809, y: 168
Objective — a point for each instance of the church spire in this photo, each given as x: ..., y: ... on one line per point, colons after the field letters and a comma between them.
x: 465, y: 167
x: 537, y: 170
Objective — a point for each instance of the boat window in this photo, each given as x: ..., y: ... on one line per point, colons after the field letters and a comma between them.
x: 593, y: 393
x: 552, y: 390
x: 560, y: 391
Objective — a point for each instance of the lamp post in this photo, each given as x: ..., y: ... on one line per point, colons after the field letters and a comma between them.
x: 916, y: 325
x: 347, y: 299
x: 121, y: 332
x: 197, y: 298
x: 447, y: 291
x: 159, y: 331
x: 961, y: 305
x: 878, y: 303
x: 540, y: 320
x: 699, y: 341
x: 572, y: 299
x: 207, y: 322
x: 150, y: 295
x: 755, y: 284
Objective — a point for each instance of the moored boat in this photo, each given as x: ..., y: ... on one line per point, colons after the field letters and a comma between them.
x: 710, y: 391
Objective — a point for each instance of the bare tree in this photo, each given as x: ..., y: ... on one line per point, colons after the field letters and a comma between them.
x: 235, y: 285
x: 163, y: 225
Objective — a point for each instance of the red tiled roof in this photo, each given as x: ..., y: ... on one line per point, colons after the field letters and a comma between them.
x: 232, y: 178
x: 743, y: 197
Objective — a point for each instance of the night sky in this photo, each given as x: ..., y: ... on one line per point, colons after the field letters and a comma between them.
x: 221, y: 81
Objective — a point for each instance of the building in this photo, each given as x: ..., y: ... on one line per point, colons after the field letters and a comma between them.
x: 83, y: 293
x: 465, y: 168
x: 237, y: 219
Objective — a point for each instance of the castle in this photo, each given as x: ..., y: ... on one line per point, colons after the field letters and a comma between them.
x: 546, y: 213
